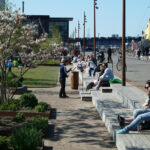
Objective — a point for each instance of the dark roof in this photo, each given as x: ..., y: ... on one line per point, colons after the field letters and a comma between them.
x: 37, y: 16
x: 60, y: 19
x: 50, y: 18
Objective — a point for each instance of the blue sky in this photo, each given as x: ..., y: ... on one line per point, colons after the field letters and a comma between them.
x: 109, y: 15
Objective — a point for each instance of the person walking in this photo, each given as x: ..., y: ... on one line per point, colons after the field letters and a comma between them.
x: 109, y: 52
x: 139, y: 53
x: 62, y: 78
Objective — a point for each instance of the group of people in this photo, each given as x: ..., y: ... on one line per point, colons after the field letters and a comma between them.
x: 141, y: 116
x: 89, y: 64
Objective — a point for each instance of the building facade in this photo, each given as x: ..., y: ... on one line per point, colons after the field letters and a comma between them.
x: 46, y: 24
x: 62, y: 24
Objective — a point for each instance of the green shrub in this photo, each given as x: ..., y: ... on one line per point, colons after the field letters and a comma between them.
x: 39, y: 123
x: 12, y: 80
x: 44, y: 104
x: 41, y: 107
x: 28, y: 100
x: 20, y: 117
x: 25, y: 139
x: 13, y: 83
x: 12, y: 106
x: 3, y: 143
x: 27, y: 108
x: 11, y: 75
x: 4, y: 106
x: 52, y: 62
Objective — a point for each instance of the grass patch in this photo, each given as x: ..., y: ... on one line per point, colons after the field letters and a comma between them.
x: 42, y: 76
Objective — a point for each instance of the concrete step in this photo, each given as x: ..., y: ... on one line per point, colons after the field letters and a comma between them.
x: 86, y: 97
x: 106, y: 89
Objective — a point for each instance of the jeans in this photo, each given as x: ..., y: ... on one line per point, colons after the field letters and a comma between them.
x: 62, y: 89
x: 90, y: 71
x: 140, y: 115
x: 96, y: 70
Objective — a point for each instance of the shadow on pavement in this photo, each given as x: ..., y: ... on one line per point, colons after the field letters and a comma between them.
x: 78, y: 127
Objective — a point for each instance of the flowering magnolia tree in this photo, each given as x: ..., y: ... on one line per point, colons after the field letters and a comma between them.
x: 17, y: 39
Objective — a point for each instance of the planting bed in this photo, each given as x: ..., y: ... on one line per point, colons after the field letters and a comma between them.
x: 27, y: 113
x: 7, y: 125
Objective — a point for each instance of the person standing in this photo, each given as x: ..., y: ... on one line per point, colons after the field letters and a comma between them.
x: 109, y: 52
x: 139, y: 53
x: 62, y: 78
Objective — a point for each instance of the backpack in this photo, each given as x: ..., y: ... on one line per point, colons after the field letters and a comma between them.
x: 90, y: 86
x: 145, y: 125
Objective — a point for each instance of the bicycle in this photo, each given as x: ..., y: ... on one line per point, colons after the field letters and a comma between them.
x: 119, y: 64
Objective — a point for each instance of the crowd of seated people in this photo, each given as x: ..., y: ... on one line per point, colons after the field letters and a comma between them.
x: 89, y: 65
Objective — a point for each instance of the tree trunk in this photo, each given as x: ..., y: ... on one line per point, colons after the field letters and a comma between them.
x: 3, y: 83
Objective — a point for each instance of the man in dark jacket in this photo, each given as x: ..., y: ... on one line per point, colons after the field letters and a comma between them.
x: 62, y: 78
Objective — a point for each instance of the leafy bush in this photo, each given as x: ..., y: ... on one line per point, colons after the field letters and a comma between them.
x: 28, y: 100
x: 4, y: 106
x: 41, y: 107
x: 44, y: 104
x: 4, y: 143
x: 20, y: 117
x: 25, y: 139
x: 52, y: 62
x: 13, y: 83
x: 12, y: 80
x: 39, y: 123
x: 12, y: 106
x: 11, y: 75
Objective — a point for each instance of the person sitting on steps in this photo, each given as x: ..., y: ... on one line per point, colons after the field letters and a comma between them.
x: 139, y: 115
x: 107, y: 75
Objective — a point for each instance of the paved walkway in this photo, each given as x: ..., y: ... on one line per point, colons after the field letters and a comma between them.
x: 75, y: 125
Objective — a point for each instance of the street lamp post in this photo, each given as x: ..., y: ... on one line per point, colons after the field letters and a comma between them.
x: 98, y: 40
x: 73, y: 39
x: 123, y: 44
x: 78, y: 34
x: 95, y: 7
x: 85, y: 20
x: 75, y: 36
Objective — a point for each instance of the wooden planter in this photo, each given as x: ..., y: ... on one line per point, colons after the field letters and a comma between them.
x: 4, y: 113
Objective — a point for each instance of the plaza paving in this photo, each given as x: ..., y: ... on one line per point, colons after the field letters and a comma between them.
x: 74, y: 124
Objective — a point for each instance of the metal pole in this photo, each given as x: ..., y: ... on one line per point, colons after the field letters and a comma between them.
x: 78, y: 34
x: 84, y: 35
x: 123, y: 44
x: 22, y: 6
x: 75, y: 37
x: 94, y: 33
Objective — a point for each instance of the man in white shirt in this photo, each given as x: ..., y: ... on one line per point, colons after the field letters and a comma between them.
x: 108, y: 74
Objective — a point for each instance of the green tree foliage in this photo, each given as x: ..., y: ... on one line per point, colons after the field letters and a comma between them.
x: 56, y: 36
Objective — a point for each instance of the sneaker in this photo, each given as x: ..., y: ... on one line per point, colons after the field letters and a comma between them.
x: 62, y: 97
x: 66, y: 96
x: 97, y: 88
x: 121, y: 121
x: 122, y: 131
